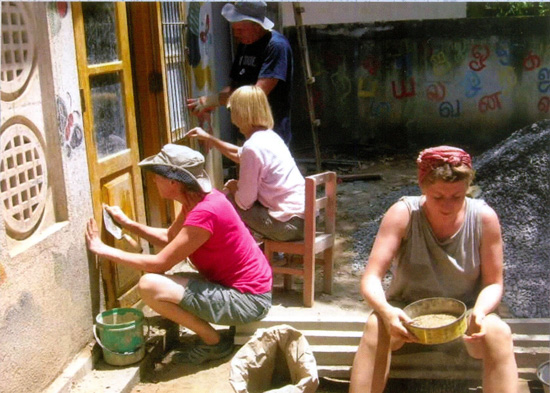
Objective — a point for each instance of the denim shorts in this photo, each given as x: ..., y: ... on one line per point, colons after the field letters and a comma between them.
x: 217, y: 304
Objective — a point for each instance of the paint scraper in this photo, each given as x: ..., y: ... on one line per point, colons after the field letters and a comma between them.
x: 114, y: 229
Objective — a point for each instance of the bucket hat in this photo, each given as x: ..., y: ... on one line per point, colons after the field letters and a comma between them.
x: 247, y: 10
x: 179, y: 163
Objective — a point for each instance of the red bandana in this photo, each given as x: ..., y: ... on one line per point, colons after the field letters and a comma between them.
x: 434, y: 157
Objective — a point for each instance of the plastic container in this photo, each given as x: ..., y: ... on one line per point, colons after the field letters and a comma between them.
x: 119, y: 332
x: 543, y: 374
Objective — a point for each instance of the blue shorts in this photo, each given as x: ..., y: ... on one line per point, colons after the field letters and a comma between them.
x: 217, y: 304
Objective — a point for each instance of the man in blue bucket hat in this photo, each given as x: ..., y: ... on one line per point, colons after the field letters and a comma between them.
x: 264, y: 59
x: 234, y: 286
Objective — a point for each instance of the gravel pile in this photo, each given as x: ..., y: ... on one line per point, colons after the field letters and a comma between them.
x: 514, y: 178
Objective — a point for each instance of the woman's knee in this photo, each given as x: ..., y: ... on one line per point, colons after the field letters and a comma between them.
x: 374, y: 333
x: 149, y: 284
x: 497, y: 331
x: 497, y: 341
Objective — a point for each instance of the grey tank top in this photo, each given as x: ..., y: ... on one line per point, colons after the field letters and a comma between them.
x: 426, y: 267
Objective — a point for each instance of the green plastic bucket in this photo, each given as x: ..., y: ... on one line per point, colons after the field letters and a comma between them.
x: 119, y: 332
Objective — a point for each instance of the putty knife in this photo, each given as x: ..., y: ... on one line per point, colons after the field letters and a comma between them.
x: 117, y: 233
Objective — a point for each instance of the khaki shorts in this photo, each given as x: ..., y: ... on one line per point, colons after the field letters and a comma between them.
x: 258, y: 219
x: 217, y: 304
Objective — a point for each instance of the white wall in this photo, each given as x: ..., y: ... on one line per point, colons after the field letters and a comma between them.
x: 46, y: 279
x: 320, y: 13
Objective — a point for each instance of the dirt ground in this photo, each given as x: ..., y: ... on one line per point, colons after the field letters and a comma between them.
x: 354, y: 198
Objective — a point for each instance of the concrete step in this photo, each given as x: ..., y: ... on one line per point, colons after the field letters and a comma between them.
x: 334, y: 355
x: 334, y: 344
x: 529, y: 325
x: 526, y: 330
x: 317, y: 337
x: 355, y: 325
x: 531, y: 340
x: 344, y: 372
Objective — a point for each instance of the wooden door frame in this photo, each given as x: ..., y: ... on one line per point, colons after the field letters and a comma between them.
x: 123, y: 159
x: 150, y: 97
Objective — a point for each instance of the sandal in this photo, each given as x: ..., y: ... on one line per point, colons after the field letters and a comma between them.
x: 202, y: 353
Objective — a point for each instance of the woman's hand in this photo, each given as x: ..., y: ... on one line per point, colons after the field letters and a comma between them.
x: 205, y: 139
x: 118, y: 215
x: 203, y: 104
x: 231, y: 186
x: 475, y: 327
x: 395, y: 320
x: 198, y: 133
x: 93, y: 241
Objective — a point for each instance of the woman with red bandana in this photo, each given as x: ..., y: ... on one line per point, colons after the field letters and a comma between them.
x: 443, y: 244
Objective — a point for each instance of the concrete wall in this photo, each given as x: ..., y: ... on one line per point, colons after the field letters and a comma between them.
x: 416, y: 83
x: 327, y: 12
x: 46, y: 282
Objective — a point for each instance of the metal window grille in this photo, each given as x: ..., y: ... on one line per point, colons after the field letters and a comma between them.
x: 173, y: 30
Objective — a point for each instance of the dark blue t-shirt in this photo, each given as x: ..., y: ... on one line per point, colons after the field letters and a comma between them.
x: 269, y: 57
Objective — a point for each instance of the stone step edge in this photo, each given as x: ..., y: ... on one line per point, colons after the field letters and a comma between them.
x: 520, y: 326
x: 344, y: 372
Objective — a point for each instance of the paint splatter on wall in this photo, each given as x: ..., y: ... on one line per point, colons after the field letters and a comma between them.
x: 69, y: 123
x: 201, y: 59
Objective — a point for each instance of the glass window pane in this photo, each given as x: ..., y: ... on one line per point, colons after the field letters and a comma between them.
x: 108, y: 110
x: 100, y: 31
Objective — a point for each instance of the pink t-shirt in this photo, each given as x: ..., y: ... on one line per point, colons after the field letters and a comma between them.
x: 231, y: 256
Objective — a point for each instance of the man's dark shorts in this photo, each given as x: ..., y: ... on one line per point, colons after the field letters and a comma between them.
x: 217, y: 304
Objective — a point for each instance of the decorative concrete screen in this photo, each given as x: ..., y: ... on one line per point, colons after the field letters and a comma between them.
x: 27, y: 190
x: 23, y: 179
x: 17, y: 50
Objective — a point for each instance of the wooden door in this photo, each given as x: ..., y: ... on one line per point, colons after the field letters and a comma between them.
x: 155, y: 100
x: 105, y: 78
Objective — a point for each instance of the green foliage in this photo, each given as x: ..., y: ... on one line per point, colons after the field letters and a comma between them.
x: 503, y: 9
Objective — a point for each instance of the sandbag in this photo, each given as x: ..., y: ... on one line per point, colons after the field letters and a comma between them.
x: 275, y: 360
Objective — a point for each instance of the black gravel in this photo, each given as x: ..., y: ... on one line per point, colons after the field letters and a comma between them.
x: 514, y: 179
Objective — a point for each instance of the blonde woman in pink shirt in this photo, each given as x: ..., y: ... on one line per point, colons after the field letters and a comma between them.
x: 270, y: 192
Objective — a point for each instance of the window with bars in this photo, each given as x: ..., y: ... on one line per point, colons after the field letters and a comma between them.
x: 173, y: 30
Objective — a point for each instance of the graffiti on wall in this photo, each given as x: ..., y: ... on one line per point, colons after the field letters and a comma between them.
x: 431, y: 82
x: 201, y: 59
x: 57, y: 12
x: 483, y: 80
x: 69, y: 123
x: 199, y: 41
